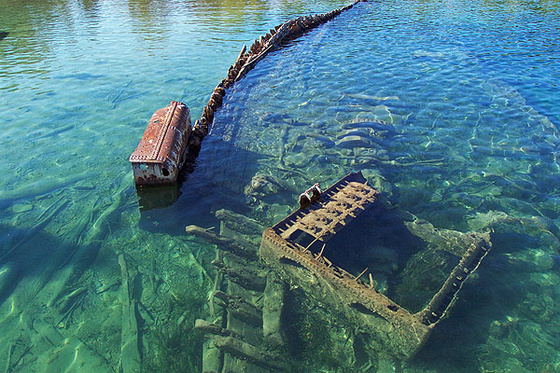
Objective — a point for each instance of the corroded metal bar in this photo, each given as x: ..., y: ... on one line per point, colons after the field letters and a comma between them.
x: 444, y: 298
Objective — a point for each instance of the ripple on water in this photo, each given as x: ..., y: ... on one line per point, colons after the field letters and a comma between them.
x: 441, y: 106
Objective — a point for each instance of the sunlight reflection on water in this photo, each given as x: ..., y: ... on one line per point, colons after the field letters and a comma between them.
x: 449, y: 110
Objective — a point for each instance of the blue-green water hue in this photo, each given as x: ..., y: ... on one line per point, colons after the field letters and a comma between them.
x: 469, y: 93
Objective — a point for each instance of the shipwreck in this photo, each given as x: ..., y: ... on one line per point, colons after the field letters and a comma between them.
x: 303, y: 248
x: 383, y: 274
x: 170, y: 143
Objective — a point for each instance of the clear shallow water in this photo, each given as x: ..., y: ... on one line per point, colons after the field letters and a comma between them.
x: 469, y: 94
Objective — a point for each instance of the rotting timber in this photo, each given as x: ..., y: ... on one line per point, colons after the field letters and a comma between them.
x: 244, y: 332
x: 296, y: 248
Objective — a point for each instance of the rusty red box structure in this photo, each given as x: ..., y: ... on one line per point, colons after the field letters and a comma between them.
x: 159, y: 155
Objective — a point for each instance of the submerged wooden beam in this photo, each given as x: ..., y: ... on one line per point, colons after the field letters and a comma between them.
x: 241, y: 248
x: 240, y: 308
x: 130, y: 353
x: 214, y: 329
x: 272, y: 310
x: 245, y: 277
x: 239, y: 223
x: 247, y: 351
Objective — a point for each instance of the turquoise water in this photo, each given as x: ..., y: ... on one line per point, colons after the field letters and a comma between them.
x: 469, y: 93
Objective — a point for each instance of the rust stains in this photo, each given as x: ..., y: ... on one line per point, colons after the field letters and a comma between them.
x: 159, y: 155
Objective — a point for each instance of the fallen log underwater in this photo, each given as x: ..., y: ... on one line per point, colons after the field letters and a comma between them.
x: 170, y: 144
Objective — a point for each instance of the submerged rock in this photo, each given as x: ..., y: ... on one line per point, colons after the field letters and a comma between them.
x: 353, y: 141
x: 324, y: 140
x: 377, y: 181
x: 532, y: 260
x: 298, y: 160
x: 546, y: 279
x: 364, y: 132
x: 262, y: 185
x: 482, y: 220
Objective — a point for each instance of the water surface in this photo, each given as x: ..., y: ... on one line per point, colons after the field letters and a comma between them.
x: 467, y: 96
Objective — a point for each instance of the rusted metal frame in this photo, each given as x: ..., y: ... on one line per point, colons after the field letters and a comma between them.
x: 319, y: 259
x: 335, y: 225
x: 408, y: 332
x: 361, y: 274
x: 377, y: 302
x: 355, y: 294
x: 321, y: 252
x: 442, y: 301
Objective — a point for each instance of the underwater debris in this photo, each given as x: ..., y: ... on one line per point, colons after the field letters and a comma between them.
x: 295, y: 249
x: 70, y: 353
x: 247, y: 277
x: 262, y: 185
x: 169, y: 142
x: 244, y: 333
x: 249, y: 326
x: 273, y: 303
x: 238, y: 247
x: 239, y: 223
x: 240, y: 308
x: 130, y: 358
